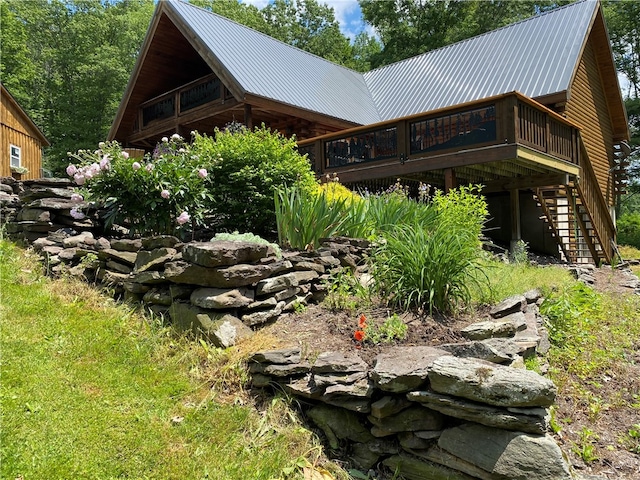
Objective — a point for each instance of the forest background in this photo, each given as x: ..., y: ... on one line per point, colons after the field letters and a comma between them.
x: 67, y: 62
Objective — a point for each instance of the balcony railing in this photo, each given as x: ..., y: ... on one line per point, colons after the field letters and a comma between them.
x: 510, y: 119
x: 204, y: 91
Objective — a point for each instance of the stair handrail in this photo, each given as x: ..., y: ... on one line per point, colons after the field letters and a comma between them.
x: 595, y: 204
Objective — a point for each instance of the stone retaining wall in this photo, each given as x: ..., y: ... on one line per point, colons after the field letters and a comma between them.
x: 456, y: 411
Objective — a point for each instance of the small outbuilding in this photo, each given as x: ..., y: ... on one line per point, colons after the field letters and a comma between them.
x: 21, y: 141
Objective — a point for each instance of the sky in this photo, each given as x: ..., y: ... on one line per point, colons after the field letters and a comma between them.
x: 347, y: 13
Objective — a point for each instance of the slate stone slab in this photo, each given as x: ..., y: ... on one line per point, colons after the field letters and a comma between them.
x: 512, y: 455
x: 222, y: 299
x: 223, y: 253
x: 153, y: 259
x: 404, y: 368
x: 486, y: 415
x: 408, y: 420
x: 492, y: 384
x: 515, y: 303
x: 281, y: 356
x: 338, y: 362
x: 339, y: 424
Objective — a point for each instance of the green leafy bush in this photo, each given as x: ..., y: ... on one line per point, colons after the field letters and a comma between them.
x: 154, y: 195
x: 248, y: 166
x: 629, y: 229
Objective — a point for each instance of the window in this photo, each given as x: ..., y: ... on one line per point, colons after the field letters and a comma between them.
x: 15, y: 155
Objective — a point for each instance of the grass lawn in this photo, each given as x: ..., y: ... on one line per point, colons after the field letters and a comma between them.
x: 90, y: 389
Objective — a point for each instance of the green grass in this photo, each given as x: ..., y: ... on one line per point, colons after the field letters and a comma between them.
x: 94, y: 390
x: 506, y: 279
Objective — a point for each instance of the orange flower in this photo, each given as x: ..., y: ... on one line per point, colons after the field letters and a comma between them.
x: 363, y: 321
x: 359, y: 335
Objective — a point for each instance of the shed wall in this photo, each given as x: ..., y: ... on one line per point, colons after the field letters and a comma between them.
x: 14, y: 132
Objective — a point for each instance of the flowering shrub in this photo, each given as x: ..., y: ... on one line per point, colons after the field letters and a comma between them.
x: 156, y: 194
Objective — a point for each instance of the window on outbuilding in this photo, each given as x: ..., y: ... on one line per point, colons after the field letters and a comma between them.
x: 16, y: 156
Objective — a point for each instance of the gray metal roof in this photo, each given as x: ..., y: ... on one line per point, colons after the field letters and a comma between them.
x: 536, y: 57
x: 272, y: 69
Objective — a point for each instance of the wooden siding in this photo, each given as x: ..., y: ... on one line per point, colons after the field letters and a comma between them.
x: 16, y: 130
x: 588, y: 108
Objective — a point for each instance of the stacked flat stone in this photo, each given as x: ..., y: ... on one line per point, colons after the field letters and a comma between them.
x: 45, y: 206
x: 429, y: 412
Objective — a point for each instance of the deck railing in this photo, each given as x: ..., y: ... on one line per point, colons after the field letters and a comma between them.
x: 509, y: 118
x: 206, y: 90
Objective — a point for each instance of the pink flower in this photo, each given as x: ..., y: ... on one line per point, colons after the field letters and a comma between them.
x: 105, y: 163
x: 76, y: 197
x: 71, y: 170
x: 125, y: 155
x: 79, y: 178
x: 202, y: 173
x: 164, y: 193
x: 136, y: 166
x: 183, y: 218
x: 77, y: 214
x: 149, y: 167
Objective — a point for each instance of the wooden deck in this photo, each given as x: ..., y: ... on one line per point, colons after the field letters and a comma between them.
x: 501, y: 142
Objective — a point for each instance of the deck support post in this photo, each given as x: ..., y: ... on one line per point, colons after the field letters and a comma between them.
x: 248, y: 120
x: 516, y: 234
x: 449, y: 179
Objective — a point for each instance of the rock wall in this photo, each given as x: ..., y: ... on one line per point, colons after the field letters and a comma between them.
x: 456, y: 411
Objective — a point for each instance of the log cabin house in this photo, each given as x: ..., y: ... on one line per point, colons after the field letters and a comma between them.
x: 532, y: 111
x: 21, y: 141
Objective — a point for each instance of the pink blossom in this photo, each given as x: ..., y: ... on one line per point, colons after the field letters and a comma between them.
x: 202, y: 173
x: 183, y: 218
x: 105, y: 163
x: 149, y: 167
x: 71, y: 170
x: 136, y: 166
x: 164, y: 193
x: 77, y: 214
x: 79, y: 178
x: 76, y: 197
x: 125, y: 155
x: 95, y: 169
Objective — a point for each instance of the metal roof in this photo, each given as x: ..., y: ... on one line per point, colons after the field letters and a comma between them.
x: 269, y: 68
x: 536, y: 57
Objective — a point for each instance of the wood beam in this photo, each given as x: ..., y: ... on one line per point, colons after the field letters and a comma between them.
x: 524, y: 183
x: 516, y: 233
x: 449, y: 179
x: 248, y: 119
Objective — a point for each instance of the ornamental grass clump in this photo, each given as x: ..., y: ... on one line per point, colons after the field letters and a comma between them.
x: 160, y: 193
x: 432, y: 265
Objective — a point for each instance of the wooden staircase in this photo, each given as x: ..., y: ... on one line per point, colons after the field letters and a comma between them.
x: 579, y: 217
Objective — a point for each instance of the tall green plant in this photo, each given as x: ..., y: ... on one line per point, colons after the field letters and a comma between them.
x: 304, y: 218
x: 429, y: 269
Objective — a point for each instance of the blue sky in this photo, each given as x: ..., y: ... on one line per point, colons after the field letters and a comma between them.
x: 347, y: 13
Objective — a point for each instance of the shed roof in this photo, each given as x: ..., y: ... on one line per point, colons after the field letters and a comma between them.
x: 27, y: 123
